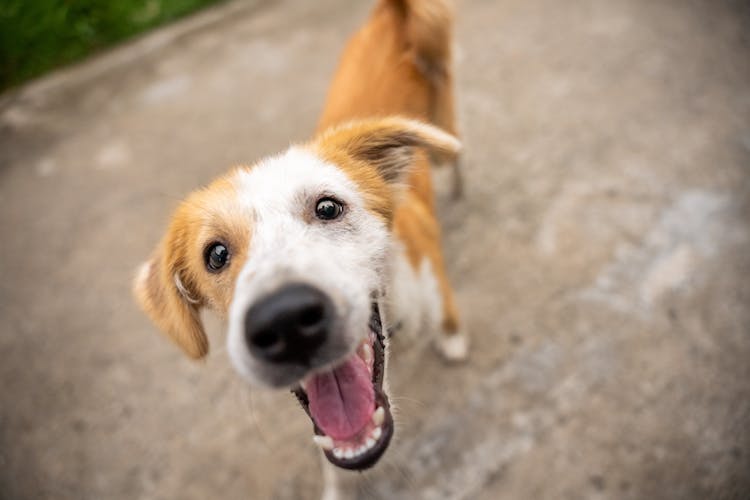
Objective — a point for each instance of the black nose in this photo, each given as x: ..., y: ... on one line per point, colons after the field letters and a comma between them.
x: 289, y: 325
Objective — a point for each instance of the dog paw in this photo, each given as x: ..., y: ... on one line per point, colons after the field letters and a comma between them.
x: 454, y: 347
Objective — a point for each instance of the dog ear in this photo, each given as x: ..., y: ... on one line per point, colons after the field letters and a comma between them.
x: 389, y: 144
x: 163, y: 295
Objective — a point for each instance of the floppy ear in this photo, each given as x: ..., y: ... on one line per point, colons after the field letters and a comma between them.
x: 389, y: 144
x: 160, y: 291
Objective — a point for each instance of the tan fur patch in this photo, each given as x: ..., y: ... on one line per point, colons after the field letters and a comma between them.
x: 380, y: 155
x: 212, y: 214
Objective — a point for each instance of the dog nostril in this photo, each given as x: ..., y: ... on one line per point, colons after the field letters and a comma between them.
x: 310, y: 316
x: 266, y: 340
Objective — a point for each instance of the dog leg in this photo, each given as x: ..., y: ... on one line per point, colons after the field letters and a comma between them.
x: 331, y: 489
x: 444, y: 116
x: 417, y: 227
x: 452, y: 342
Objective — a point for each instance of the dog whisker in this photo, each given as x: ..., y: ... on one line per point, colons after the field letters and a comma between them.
x: 368, y: 486
x: 417, y: 402
x: 246, y: 398
x: 396, y: 461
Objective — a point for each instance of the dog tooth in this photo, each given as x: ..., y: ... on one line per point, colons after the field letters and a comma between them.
x: 338, y: 453
x: 378, y: 416
x: 324, y: 442
x: 376, y: 433
x: 367, y: 354
x: 349, y: 453
x: 370, y: 443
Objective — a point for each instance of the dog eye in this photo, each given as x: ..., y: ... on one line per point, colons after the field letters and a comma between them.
x: 217, y: 256
x: 328, y: 209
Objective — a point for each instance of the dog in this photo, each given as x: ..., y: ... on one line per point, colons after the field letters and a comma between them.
x: 314, y: 255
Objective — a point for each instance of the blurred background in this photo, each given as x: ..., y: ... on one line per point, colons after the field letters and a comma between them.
x: 601, y: 254
x: 37, y: 36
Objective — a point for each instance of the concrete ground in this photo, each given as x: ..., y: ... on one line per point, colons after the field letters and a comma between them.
x: 601, y: 258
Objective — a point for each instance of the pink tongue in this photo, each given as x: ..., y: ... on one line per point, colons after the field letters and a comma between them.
x: 342, y: 400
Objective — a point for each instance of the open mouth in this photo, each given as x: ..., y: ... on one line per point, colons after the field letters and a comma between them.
x: 349, y: 409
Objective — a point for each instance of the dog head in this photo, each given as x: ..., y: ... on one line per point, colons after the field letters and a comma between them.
x: 293, y: 252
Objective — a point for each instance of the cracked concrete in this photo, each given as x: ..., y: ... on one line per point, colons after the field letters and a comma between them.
x: 601, y: 258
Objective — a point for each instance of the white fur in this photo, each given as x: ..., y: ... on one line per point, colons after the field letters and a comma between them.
x: 453, y: 347
x: 344, y: 258
x: 331, y: 488
x: 417, y: 305
x: 414, y: 299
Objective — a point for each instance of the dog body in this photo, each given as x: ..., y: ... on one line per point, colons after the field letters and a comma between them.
x: 400, y: 63
x: 308, y: 254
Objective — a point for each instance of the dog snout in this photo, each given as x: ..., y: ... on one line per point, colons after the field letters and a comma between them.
x: 289, y: 325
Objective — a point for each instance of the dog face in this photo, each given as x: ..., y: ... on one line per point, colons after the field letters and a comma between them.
x: 293, y: 252
x: 317, y: 253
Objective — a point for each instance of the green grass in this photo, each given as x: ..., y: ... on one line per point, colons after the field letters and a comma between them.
x: 38, y: 35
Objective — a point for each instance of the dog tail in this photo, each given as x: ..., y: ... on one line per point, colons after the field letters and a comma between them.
x: 428, y: 30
